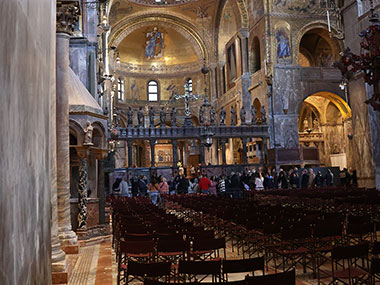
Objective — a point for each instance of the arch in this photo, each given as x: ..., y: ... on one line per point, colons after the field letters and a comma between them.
x: 77, y: 131
x: 303, y: 113
x: 337, y: 44
x: 334, y: 98
x: 255, y: 56
x: 99, y: 135
x: 257, y: 105
x: 127, y: 26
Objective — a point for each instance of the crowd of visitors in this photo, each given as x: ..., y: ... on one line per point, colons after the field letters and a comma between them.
x: 233, y: 185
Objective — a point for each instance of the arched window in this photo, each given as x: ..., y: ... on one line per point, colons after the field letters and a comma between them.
x: 360, y: 7
x: 255, y: 55
x: 120, y: 89
x: 189, y: 82
x: 152, y: 90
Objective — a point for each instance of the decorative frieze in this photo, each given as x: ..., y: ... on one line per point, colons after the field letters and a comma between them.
x: 67, y: 16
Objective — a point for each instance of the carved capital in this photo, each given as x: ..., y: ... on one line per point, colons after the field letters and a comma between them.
x: 67, y: 16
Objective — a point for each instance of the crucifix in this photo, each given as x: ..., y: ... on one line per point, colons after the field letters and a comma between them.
x: 187, y: 96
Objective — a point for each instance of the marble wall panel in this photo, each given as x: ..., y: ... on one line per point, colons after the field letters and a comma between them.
x: 26, y: 75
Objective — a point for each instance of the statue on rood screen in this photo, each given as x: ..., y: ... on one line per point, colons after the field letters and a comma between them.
x: 162, y: 117
x: 151, y: 117
x: 212, y: 116
x: 130, y: 117
x: 242, y: 115
x: 233, y: 116
x: 263, y: 115
x: 222, y: 116
x: 140, y: 117
x: 173, y: 117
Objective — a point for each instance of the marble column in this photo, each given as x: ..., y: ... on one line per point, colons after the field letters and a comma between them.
x: 130, y: 153
x: 244, y: 142
x: 82, y: 191
x: 152, y: 154
x: 223, y: 144
x: 67, y: 17
x: 174, y: 143
x: 202, y: 153
x: 101, y: 193
x: 58, y: 256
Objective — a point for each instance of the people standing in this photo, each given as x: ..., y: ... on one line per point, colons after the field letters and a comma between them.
x: 304, y: 179
x: 163, y: 186
x: 294, y: 178
x: 154, y: 190
x: 329, y: 177
x: 204, y: 184
x: 143, y: 187
x: 125, y: 192
x: 213, y: 185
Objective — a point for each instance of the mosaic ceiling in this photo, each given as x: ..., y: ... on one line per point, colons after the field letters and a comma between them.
x: 163, y: 3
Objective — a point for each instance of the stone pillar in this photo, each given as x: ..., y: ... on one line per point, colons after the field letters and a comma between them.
x: 244, y: 33
x: 223, y: 143
x: 265, y: 150
x: 152, y: 154
x: 202, y: 153
x: 67, y: 17
x: 130, y: 154
x: 101, y: 194
x: 58, y: 256
x: 244, y: 142
x: 174, y: 143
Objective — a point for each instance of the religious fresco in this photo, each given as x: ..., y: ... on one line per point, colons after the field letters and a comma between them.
x: 154, y: 47
x: 231, y: 63
x: 283, y: 44
x: 302, y: 6
x: 256, y: 10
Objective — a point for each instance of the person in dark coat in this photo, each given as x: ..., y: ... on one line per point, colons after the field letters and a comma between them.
x: 183, y: 185
x: 329, y: 177
x: 235, y: 185
x: 319, y: 179
x: 283, y: 178
x: 143, y: 186
x: 135, y: 185
x: 305, y: 178
x: 294, y: 178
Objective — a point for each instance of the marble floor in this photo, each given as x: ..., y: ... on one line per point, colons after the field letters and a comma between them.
x: 96, y: 265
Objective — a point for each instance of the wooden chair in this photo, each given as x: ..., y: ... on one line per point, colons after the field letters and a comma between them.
x: 189, y: 270
x: 283, y: 278
x: 243, y: 265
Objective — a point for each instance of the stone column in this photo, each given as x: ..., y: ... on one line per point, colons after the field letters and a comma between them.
x: 130, y: 153
x: 265, y: 150
x: 223, y: 143
x: 244, y: 33
x: 82, y: 192
x: 174, y: 143
x: 202, y: 154
x: 244, y: 142
x: 67, y: 17
x: 152, y: 154
x: 101, y: 194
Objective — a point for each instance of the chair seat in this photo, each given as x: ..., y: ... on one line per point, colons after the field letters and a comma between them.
x: 350, y: 272
x: 169, y: 253
x: 294, y: 251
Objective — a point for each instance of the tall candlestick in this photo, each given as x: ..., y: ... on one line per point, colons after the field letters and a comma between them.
x: 328, y: 21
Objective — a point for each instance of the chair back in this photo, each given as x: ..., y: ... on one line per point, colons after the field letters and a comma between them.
x: 243, y: 265
x: 156, y: 269
x: 199, y: 267
x: 348, y: 252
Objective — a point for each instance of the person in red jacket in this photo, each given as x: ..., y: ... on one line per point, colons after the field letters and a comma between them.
x: 204, y: 185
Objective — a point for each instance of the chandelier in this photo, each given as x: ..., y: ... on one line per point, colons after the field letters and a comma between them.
x: 368, y: 61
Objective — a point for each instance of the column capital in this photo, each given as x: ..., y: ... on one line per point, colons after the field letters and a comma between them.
x: 68, y: 12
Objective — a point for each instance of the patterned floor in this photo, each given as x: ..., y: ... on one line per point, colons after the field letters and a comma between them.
x: 96, y: 265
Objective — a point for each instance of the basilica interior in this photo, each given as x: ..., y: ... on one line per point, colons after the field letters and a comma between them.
x: 96, y: 92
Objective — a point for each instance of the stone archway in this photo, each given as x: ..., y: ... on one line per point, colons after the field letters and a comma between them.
x: 324, y: 122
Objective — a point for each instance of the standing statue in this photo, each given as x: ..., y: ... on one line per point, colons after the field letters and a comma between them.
x: 233, y: 116
x: 130, y: 117
x: 222, y: 116
x: 151, y: 117
x: 173, y: 117
x: 242, y: 115
x: 253, y: 115
x: 212, y: 116
x: 140, y: 117
x: 162, y: 117
x: 201, y: 115
x: 88, y: 134
x: 263, y: 115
